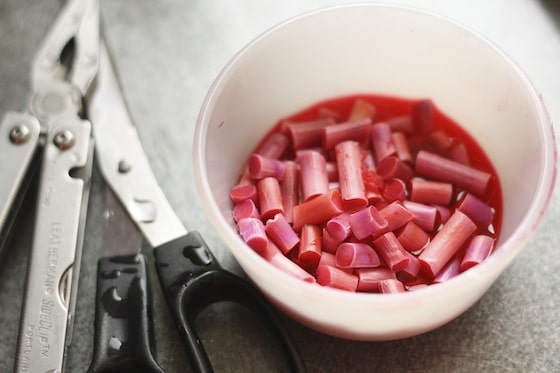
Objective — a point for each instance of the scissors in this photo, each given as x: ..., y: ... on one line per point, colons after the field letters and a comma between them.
x: 188, y: 272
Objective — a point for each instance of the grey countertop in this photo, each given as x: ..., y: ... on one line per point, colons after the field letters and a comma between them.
x: 167, y: 54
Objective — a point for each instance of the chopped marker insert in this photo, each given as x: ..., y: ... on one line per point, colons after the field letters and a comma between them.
x: 371, y: 194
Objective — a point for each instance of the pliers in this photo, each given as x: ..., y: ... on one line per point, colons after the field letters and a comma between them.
x: 75, y: 102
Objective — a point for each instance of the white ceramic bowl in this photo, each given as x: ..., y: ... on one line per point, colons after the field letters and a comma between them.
x: 392, y: 51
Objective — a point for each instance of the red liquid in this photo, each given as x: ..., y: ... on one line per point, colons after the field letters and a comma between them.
x: 387, y: 107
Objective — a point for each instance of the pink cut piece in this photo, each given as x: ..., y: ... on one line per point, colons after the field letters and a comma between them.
x: 307, y: 134
x: 326, y: 112
x: 394, y: 190
x: 261, y: 167
x: 423, y: 116
x: 332, y: 171
x: 401, y: 124
x: 361, y: 109
x: 317, y: 210
x: 369, y: 278
x: 357, y: 130
x: 461, y: 176
x: 270, y: 197
x: 252, y: 231
x: 480, y: 212
x: 444, y: 213
x: 313, y: 174
x: 402, y: 147
x: 478, y: 250
x: 303, y: 151
x: 447, y: 241
x: 450, y: 270
x: 390, y: 249
x: 281, y: 233
x: 425, y: 216
x: 382, y: 141
x: 372, y: 179
x: 368, y: 162
x: 289, y: 189
x: 393, y: 168
x: 329, y: 244
x: 327, y: 259
x: 459, y: 153
x: 330, y: 260
x: 430, y: 192
x: 245, y: 209
x: 413, y: 267
x: 348, y: 163
x: 396, y: 215
x: 336, y: 278
x: 356, y: 255
x: 374, y: 196
x: 374, y: 186
x: 245, y: 177
x: 339, y: 227
x: 366, y: 222
x: 241, y: 192
x: 334, y: 185
x: 440, y: 140
x: 412, y: 237
x: 274, y: 146
x: 391, y: 286
x: 274, y: 256
x: 310, y: 248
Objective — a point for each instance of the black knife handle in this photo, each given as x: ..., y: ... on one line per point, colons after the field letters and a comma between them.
x: 192, y: 279
x: 123, y: 329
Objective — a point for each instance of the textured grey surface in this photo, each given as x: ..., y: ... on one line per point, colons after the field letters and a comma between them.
x: 167, y: 54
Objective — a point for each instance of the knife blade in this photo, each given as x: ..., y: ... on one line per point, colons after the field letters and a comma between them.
x: 124, y: 164
x: 122, y: 237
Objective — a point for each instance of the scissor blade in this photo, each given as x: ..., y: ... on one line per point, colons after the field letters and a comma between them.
x: 123, y: 162
x: 122, y: 236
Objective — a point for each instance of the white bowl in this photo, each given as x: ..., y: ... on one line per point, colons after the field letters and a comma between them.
x: 392, y: 51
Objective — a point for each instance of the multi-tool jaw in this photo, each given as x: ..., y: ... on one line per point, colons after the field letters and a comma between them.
x: 70, y: 51
x: 54, y: 135
x: 62, y: 73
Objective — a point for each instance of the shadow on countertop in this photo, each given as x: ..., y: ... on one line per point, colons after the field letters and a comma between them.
x: 553, y: 9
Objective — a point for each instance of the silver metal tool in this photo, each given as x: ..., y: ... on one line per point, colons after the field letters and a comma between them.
x: 56, y: 128
x: 124, y: 164
x: 55, y: 135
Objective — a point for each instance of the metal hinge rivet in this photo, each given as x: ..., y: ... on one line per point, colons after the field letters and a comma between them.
x: 64, y: 139
x: 19, y: 134
x: 124, y: 167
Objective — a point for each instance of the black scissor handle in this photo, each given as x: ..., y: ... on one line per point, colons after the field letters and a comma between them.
x: 123, y: 330
x: 192, y: 279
